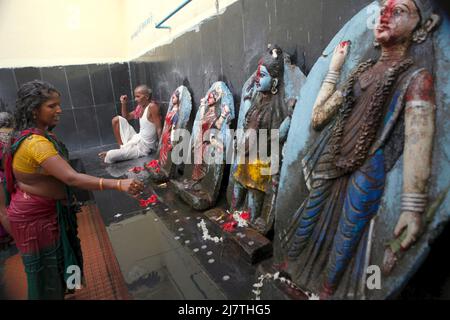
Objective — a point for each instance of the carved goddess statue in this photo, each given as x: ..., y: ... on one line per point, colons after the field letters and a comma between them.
x: 385, y: 108
x: 268, y: 111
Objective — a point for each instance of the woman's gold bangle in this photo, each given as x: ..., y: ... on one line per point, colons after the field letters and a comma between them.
x: 119, y: 185
x: 100, y: 183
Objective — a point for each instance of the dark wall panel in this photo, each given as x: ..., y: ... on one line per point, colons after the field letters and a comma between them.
x: 79, y: 86
x: 191, y: 60
x: 181, y: 68
x: 211, y: 53
x: 66, y: 130
x: 232, y: 45
x: 166, y: 82
x: 121, y: 80
x: 105, y: 113
x: 24, y: 75
x: 149, y: 74
x: 8, y: 88
x: 87, y: 126
x: 101, y: 84
x: 255, y: 21
x: 138, y: 74
x: 299, y: 37
x: 57, y: 77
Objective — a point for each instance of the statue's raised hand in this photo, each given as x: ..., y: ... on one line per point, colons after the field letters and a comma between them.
x: 225, y: 111
x: 339, y: 56
x: 412, y: 222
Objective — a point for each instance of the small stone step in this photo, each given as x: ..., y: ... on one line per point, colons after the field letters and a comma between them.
x: 274, y: 289
x: 253, y: 246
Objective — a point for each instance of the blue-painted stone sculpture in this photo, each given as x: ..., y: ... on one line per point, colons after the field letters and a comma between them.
x: 365, y: 176
x: 267, y: 103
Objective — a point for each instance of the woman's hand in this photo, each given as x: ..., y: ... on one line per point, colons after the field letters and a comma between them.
x: 132, y: 186
x: 339, y: 56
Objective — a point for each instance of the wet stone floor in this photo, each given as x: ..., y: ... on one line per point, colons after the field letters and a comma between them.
x: 160, y: 249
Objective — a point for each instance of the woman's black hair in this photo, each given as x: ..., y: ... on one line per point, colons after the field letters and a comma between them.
x: 30, y: 97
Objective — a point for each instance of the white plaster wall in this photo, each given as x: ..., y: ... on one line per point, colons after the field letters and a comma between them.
x: 66, y: 32
x: 61, y: 32
x: 143, y: 15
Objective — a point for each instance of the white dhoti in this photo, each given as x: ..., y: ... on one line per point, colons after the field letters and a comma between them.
x: 134, y: 145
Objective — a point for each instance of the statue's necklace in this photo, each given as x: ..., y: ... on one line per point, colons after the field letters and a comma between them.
x: 372, y: 117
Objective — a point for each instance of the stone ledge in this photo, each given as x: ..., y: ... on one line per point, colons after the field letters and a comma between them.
x: 276, y: 290
x: 253, y: 246
x: 198, y: 200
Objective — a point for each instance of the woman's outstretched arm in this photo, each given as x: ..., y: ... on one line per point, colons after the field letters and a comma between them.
x: 61, y: 170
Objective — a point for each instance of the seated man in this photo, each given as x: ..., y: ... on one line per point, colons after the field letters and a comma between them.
x: 135, y: 145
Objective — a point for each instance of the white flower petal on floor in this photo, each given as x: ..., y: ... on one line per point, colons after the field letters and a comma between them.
x: 206, y: 236
x: 276, y: 277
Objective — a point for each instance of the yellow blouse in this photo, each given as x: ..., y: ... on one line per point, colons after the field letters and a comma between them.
x: 31, y: 153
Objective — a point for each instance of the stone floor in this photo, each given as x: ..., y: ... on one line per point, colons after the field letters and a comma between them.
x: 160, y: 250
x: 142, y: 253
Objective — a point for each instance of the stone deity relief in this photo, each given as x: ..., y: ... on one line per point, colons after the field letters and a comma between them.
x: 367, y: 180
x: 200, y: 184
x: 177, y: 117
x: 268, y: 101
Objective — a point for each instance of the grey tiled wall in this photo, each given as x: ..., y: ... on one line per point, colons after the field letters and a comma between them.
x: 226, y: 48
x: 89, y: 94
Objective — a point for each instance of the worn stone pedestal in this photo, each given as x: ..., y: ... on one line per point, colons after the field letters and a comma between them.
x: 160, y: 177
x: 253, y: 246
x: 198, y: 200
x: 276, y: 290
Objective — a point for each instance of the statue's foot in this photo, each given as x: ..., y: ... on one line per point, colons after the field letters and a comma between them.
x: 326, y: 293
x: 260, y: 225
x: 191, y: 185
x: 290, y: 288
x: 196, y: 187
x: 187, y: 184
x: 389, y: 261
x: 282, y: 267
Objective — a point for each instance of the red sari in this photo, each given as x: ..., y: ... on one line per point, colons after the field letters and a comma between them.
x: 166, y: 143
x: 208, y: 122
x: 44, y: 229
